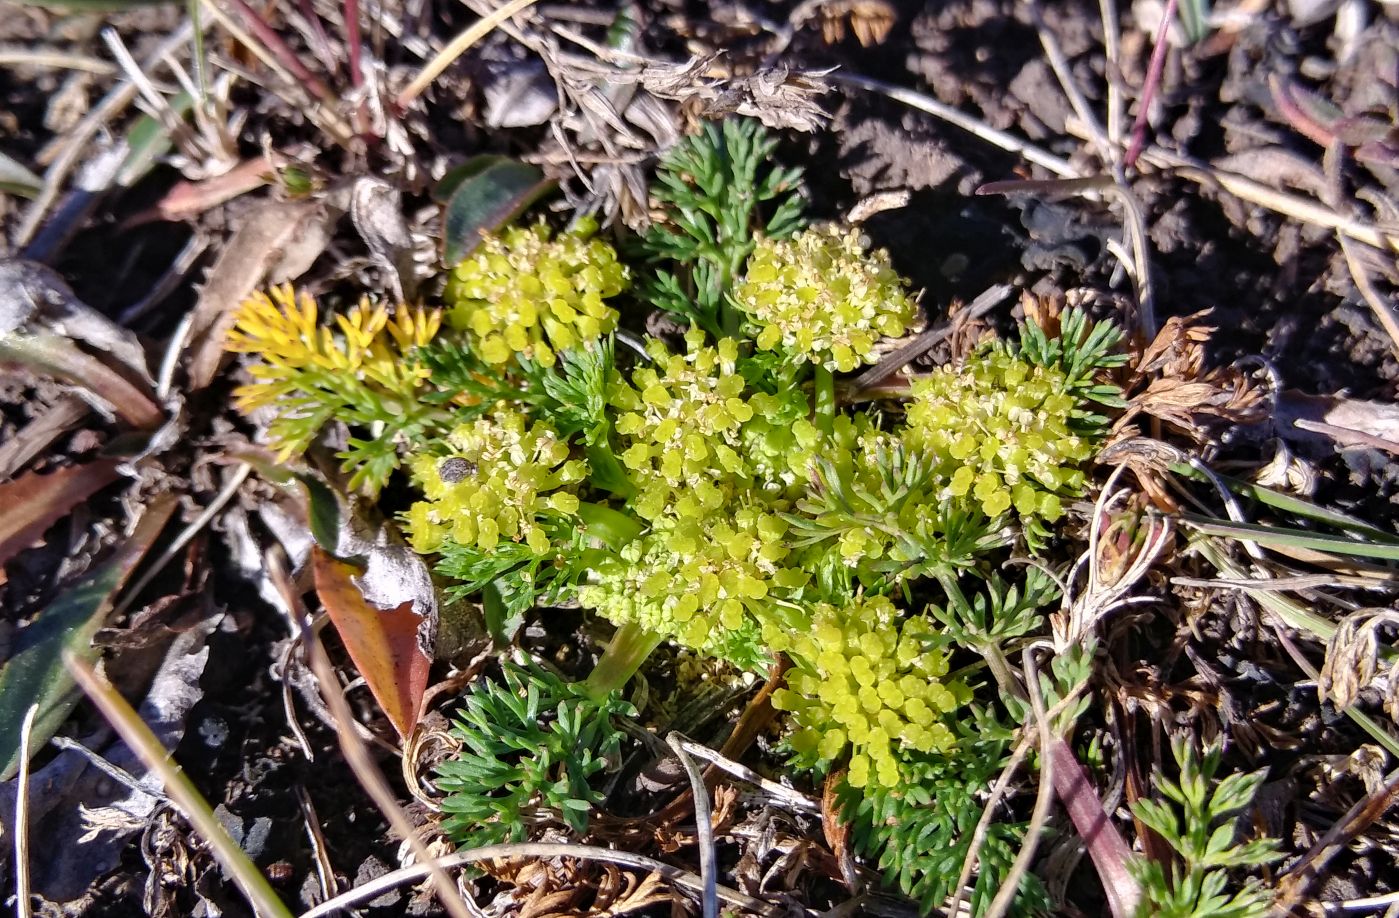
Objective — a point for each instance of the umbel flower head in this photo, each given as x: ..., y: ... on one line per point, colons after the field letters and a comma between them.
x: 700, y: 580
x: 865, y: 681
x: 680, y: 422
x: 821, y: 297
x: 501, y: 474
x: 521, y: 292
x: 1000, y: 428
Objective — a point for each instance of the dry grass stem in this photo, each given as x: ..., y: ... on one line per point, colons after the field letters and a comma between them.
x: 704, y: 825
x: 456, y: 48
x: 676, y: 876
x: 23, y: 903
x: 56, y: 60
x: 181, y: 790
x: 76, y: 143
x: 1044, y: 797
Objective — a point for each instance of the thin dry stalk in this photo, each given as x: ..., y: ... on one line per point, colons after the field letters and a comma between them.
x: 983, y: 825
x: 23, y: 905
x: 681, y: 878
x: 354, y: 749
x: 77, y: 142
x: 325, y: 871
x: 1308, y: 210
x: 1300, y: 877
x: 278, y: 47
x: 55, y: 60
x: 1112, y: 50
x: 791, y: 799
x: 1060, y: 65
x: 322, y: 114
x: 182, y: 792
x: 921, y: 343
x: 1043, y: 798
x: 1153, y: 80
x: 704, y: 824
x: 1335, y: 193
x: 189, y: 532
x: 352, y: 41
x: 456, y: 48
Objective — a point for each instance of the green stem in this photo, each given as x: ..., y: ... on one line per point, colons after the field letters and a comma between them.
x: 611, y: 527
x: 824, y: 396
x: 629, y: 648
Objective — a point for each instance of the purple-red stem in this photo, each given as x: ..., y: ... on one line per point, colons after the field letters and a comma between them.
x: 284, y: 54
x: 1105, y: 844
x: 352, y: 40
x: 1153, y: 80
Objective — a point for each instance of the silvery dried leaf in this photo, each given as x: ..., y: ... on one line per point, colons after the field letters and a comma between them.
x: 34, y: 298
x: 520, y: 94
x: 376, y: 209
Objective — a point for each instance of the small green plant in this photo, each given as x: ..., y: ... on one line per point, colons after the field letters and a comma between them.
x: 1198, y: 819
x: 719, y: 494
x: 919, y: 833
x: 713, y: 189
x: 530, y: 745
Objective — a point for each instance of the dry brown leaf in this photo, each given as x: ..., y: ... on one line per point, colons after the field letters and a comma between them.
x: 1334, y: 419
x: 1172, y: 385
x: 278, y: 242
x: 35, y: 502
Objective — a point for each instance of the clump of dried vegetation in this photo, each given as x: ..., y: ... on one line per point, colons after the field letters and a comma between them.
x: 519, y: 471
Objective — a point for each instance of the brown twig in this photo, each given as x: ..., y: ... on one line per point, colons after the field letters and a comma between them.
x: 1153, y: 80
x: 354, y: 749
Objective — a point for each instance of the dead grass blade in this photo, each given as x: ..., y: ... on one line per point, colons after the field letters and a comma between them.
x: 681, y: 878
x: 925, y: 103
x: 456, y: 48
x: 23, y: 906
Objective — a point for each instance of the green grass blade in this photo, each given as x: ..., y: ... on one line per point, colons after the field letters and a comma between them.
x: 1284, y: 537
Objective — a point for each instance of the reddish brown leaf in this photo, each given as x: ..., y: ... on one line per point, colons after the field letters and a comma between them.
x: 34, y: 502
x: 382, y: 642
x: 190, y: 199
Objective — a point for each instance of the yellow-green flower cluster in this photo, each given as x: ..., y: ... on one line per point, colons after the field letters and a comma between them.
x: 697, y: 579
x: 679, y: 424
x: 1000, y: 427
x: 865, y: 681
x: 500, y: 474
x: 521, y: 292
x: 821, y: 298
